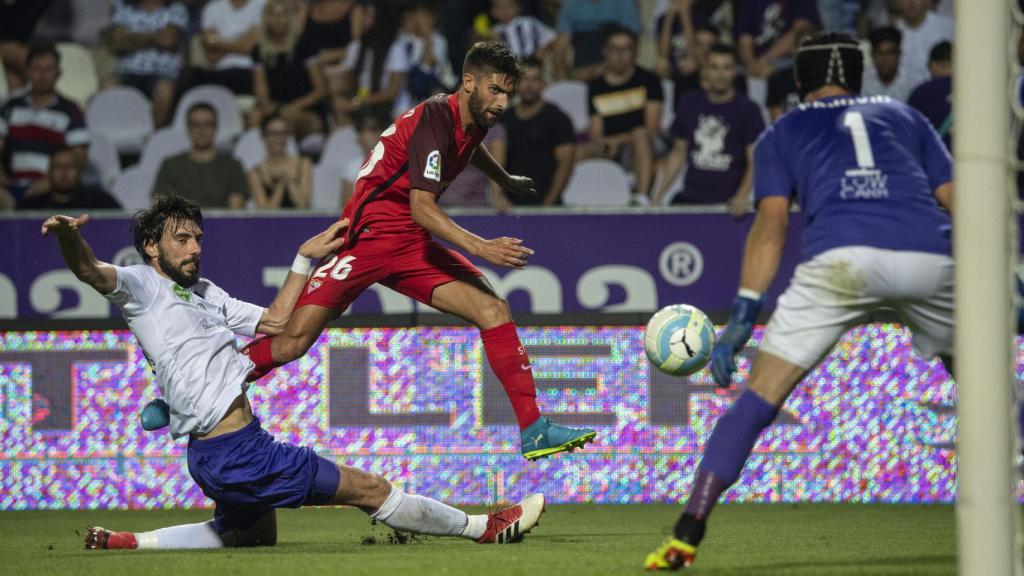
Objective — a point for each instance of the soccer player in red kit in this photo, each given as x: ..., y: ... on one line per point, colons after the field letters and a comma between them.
x: 394, y: 214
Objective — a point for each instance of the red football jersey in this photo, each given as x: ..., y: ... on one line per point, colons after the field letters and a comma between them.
x: 425, y: 148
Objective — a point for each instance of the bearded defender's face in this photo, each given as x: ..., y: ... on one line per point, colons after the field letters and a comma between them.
x: 178, y: 252
x: 489, y: 99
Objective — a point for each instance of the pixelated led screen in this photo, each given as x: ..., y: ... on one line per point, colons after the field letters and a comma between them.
x: 420, y: 405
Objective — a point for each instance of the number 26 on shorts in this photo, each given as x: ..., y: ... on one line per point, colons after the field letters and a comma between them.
x: 339, y: 268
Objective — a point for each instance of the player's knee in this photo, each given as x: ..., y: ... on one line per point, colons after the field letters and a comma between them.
x: 495, y: 312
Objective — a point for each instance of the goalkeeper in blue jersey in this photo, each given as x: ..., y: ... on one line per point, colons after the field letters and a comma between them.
x: 873, y: 181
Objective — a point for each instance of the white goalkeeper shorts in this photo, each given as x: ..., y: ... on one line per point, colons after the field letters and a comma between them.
x: 839, y: 288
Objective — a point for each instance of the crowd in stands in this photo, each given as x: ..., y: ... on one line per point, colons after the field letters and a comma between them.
x: 275, y: 104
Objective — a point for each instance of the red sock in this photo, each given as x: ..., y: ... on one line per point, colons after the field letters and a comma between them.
x: 511, y: 365
x: 259, y: 352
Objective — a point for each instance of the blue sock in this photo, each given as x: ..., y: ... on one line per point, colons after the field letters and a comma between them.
x: 727, y: 450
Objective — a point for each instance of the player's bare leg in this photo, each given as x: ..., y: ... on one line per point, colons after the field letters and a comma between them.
x: 771, y: 381
x: 643, y: 160
x: 475, y: 301
x: 303, y: 329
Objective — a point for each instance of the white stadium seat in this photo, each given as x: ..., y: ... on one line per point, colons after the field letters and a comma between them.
x: 134, y: 186
x: 250, y: 150
x: 597, y: 182
x: 341, y: 145
x: 571, y: 97
x: 78, y: 80
x: 123, y: 115
x: 229, y: 117
x: 326, y: 193
x: 164, y: 143
x: 103, y: 156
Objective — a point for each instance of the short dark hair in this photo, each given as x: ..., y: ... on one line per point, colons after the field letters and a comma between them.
x: 721, y: 48
x: 829, y: 59
x: 38, y: 49
x: 885, y: 34
x: 705, y: 27
x: 486, y: 58
x: 202, y: 106
x: 370, y: 119
x: 613, y: 29
x: 267, y: 120
x: 941, y: 52
x: 148, y: 225
x: 61, y: 150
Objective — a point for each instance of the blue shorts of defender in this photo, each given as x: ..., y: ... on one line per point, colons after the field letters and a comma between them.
x: 247, y: 473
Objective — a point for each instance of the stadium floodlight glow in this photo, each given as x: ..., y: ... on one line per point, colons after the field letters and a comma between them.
x: 986, y: 515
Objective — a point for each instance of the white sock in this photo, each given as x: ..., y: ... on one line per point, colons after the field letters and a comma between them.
x: 200, y: 535
x: 403, y: 511
x: 476, y: 526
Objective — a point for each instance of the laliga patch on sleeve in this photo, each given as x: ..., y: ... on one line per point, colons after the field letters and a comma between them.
x: 433, y: 168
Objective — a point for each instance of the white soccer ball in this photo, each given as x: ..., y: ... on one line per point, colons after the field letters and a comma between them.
x: 678, y: 339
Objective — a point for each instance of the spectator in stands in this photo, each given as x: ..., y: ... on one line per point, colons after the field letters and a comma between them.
x: 934, y: 98
x: 884, y: 76
x: 541, y: 140
x: 66, y: 191
x: 767, y: 31
x: 472, y: 188
x: 686, y: 75
x: 36, y: 121
x: 18, y: 19
x: 525, y: 36
x: 230, y: 30
x: 783, y: 93
x: 375, y: 68
x: 625, y: 109
x: 581, y: 24
x: 330, y: 27
x: 922, y: 29
x: 368, y: 129
x: 426, y: 57
x: 208, y: 177
x: 284, y: 82
x: 714, y: 131
x: 146, y: 37
x: 282, y: 180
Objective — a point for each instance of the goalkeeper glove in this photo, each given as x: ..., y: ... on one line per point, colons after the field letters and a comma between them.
x: 733, y: 338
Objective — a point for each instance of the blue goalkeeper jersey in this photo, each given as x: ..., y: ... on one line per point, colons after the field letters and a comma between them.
x: 863, y: 170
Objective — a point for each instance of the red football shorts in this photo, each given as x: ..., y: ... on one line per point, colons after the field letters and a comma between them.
x: 412, y: 265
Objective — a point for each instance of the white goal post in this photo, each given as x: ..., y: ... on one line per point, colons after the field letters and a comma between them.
x: 984, y: 238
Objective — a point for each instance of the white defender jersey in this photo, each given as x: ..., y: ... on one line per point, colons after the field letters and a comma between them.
x: 188, y: 336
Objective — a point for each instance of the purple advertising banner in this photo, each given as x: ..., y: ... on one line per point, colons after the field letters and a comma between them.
x: 584, y: 263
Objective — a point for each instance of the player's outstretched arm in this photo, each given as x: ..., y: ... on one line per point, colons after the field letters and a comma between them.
x: 77, y: 253
x: 483, y: 161
x: 275, y: 317
x: 508, y: 252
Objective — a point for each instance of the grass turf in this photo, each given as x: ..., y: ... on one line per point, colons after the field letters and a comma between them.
x: 820, y: 539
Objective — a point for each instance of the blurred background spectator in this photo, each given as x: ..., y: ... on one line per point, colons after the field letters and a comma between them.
x: 368, y: 129
x: 146, y: 38
x: 36, y: 121
x: 526, y: 36
x: 625, y: 109
x: 541, y: 142
x: 65, y: 190
x: 375, y: 69
x: 282, y: 180
x: 714, y: 133
x: 934, y: 98
x: 203, y: 174
x: 286, y: 77
x: 230, y: 30
x: 581, y: 26
x: 883, y: 76
x: 921, y: 29
x: 18, y: 19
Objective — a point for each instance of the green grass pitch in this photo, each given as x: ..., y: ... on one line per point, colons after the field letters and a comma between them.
x: 804, y: 539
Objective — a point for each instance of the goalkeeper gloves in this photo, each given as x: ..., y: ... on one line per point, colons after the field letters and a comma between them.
x: 741, y: 323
